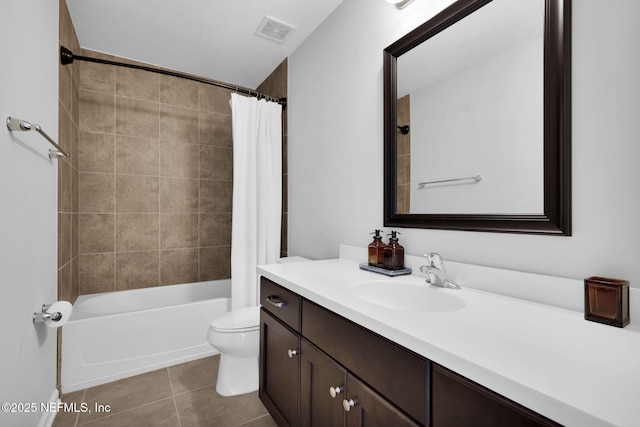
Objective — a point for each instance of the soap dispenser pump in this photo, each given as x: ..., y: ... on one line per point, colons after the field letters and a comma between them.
x: 393, y: 253
x: 376, y: 250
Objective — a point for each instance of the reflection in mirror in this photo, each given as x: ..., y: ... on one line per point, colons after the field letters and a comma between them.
x: 476, y: 109
x: 487, y: 110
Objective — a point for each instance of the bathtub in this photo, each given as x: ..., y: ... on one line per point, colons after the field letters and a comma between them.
x: 115, y: 335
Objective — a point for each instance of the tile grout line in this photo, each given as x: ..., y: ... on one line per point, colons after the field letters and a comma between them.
x: 114, y: 414
x: 197, y: 389
x: 253, y: 419
x: 115, y: 207
x: 199, y: 181
x: 84, y: 392
x: 173, y: 396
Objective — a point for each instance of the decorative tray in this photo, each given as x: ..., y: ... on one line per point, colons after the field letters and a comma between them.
x: 384, y: 271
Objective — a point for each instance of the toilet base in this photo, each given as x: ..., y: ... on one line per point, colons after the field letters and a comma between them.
x: 237, y: 375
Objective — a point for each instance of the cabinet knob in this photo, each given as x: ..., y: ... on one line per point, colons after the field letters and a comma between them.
x: 334, y: 391
x: 292, y: 353
x: 348, y: 404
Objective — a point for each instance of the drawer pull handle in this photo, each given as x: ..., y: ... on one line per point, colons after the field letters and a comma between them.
x: 292, y: 353
x: 275, y: 301
x: 348, y: 404
x: 334, y: 391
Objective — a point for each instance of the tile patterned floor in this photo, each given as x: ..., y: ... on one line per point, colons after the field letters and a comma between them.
x: 178, y: 396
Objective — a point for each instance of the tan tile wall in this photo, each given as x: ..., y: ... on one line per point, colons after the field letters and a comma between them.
x: 276, y: 85
x: 404, y: 156
x: 155, y: 179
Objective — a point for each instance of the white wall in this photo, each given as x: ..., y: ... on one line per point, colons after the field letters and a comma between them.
x: 28, y: 204
x: 336, y: 144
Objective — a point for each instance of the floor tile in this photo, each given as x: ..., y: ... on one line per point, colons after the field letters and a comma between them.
x: 179, y: 396
x: 194, y: 375
x: 158, y: 414
x: 126, y: 394
x: 205, y: 408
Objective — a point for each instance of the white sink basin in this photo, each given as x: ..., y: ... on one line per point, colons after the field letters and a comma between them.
x: 408, y: 295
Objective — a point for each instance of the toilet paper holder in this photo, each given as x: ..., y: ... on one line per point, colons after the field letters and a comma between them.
x: 44, y: 316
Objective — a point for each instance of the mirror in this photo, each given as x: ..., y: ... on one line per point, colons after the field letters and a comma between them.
x: 477, y: 119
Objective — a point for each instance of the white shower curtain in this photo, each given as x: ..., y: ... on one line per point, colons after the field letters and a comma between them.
x: 257, y: 193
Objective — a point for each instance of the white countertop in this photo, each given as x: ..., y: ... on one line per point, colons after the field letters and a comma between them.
x: 547, y: 358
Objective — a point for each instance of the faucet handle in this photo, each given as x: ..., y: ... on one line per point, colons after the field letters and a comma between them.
x: 435, y: 261
x: 436, y: 273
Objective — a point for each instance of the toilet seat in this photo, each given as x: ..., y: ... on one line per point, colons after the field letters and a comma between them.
x: 240, y: 320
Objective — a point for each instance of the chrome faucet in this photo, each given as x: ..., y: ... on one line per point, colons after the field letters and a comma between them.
x: 436, y: 273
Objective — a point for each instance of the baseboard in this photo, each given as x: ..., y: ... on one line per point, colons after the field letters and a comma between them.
x: 48, y: 417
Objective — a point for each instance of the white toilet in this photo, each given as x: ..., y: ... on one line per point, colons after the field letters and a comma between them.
x: 236, y: 335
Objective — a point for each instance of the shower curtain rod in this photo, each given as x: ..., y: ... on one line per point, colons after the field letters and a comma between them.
x: 67, y: 57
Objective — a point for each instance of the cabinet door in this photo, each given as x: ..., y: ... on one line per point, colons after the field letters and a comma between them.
x: 365, y: 408
x: 279, y: 370
x: 391, y: 370
x: 457, y: 401
x: 322, y: 387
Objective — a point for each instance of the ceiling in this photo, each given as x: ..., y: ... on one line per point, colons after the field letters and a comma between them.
x: 209, y: 38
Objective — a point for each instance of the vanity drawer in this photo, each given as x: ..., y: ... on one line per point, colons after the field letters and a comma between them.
x: 282, y: 303
x: 394, y: 372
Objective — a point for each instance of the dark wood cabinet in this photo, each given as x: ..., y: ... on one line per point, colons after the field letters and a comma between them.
x: 318, y: 369
x: 457, y: 401
x: 279, y: 370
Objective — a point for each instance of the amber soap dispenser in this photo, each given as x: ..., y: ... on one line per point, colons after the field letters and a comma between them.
x: 393, y: 253
x: 376, y: 250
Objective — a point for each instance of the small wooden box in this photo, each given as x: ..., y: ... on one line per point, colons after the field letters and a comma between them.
x: 606, y: 301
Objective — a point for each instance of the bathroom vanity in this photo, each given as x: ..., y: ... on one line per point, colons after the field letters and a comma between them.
x: 318, y: 368
x: 332, y: 354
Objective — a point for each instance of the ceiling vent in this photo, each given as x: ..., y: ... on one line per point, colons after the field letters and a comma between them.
x: 273, y: 29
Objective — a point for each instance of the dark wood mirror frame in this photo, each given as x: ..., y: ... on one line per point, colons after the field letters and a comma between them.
x: 556, y: 216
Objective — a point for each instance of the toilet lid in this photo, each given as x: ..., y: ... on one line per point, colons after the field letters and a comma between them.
x: 238, y: 320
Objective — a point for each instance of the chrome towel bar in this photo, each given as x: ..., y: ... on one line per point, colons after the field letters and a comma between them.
x: 475, y: 178
x: 17, y: 124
